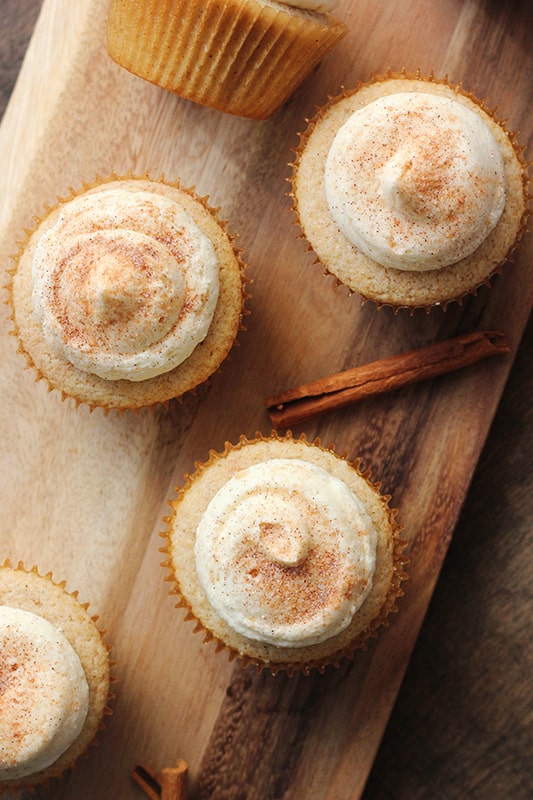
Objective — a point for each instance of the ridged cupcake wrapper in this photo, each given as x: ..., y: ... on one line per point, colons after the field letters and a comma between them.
x: 122, y: 396
x: 238, y: 56
x: 495, y: 269
x: 100, y: 709
x: 306, y: 666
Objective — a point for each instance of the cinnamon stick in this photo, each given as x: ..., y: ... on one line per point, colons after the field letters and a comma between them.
x: 147, y: 779
x: 338, y: 390
x: 171, y: 784
x: 174, y: 782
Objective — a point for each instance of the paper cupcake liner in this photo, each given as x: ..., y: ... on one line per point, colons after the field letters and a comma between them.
x: 474, y: 278
x: 30, y: 590
x: 308, y: 658
x: 242, y: 57
x: 122, y: 395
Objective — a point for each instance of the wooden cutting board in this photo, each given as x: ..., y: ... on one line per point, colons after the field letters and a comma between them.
x: 83, y: 495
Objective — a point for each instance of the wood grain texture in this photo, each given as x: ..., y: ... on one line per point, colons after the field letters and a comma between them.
x: 462, y: 726
x: 84, y: 494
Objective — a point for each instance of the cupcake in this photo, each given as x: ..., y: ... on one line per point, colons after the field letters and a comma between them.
x: 284, y: 553
x: 409, y: 191
x: 244, y: 57
x: 54, y: 678
x: 128, y: 294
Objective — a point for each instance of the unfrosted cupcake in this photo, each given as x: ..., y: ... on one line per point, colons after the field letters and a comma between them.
x: 284, y: 553
x: 245, y: 57
x: 54, y: 678
x: 409, y: 191
x: 128, y: 294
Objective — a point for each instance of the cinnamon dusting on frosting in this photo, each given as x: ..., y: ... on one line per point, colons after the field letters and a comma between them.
x: 125, y: 284
x: 415, y: 181
x: 286, y: 553
x: 43, y: 693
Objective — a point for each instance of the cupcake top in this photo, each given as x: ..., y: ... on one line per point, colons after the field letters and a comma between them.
x: 125, y: 284
x: 54, y: 677
x: 415, y: 181
x: 286, y: 552
x: 128, y: 293
x: 45, y: 695
x: 410, y: 191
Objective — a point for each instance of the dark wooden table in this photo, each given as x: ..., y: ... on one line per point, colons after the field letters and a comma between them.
x: 462, y: 726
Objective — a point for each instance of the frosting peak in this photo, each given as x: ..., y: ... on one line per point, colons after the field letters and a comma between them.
x: 43, y: 693
x: 286, y: 553
x: 125, y: 284
x: 286, y: 544
x: 415, y: 180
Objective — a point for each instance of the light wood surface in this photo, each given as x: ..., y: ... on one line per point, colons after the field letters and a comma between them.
x: 83, y: 494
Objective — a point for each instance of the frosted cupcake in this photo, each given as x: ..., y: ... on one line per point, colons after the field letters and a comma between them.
x: 54, y: 678
x: 284, y: 553
x: 409, y: 191
x: 128, y: 294
x: 244, y: 57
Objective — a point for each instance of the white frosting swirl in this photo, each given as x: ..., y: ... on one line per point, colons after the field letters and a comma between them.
x: 43, y: 693
x: 125, y: 284
x: 286, y: 553
x: 322, y: 6
x: 415, y: 181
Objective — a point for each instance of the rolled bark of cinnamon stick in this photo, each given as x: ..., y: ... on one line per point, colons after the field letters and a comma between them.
x: 171, y: 784
x: 342, y: 388
x: 174, y: 782
x: 148, y: 780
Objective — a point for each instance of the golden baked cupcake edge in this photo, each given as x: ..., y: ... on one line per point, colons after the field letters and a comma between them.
x: 427, y: 285
x: 243, y: 57
x: 110, y: 297
x: 33, y: 604
x: 300, y: 640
